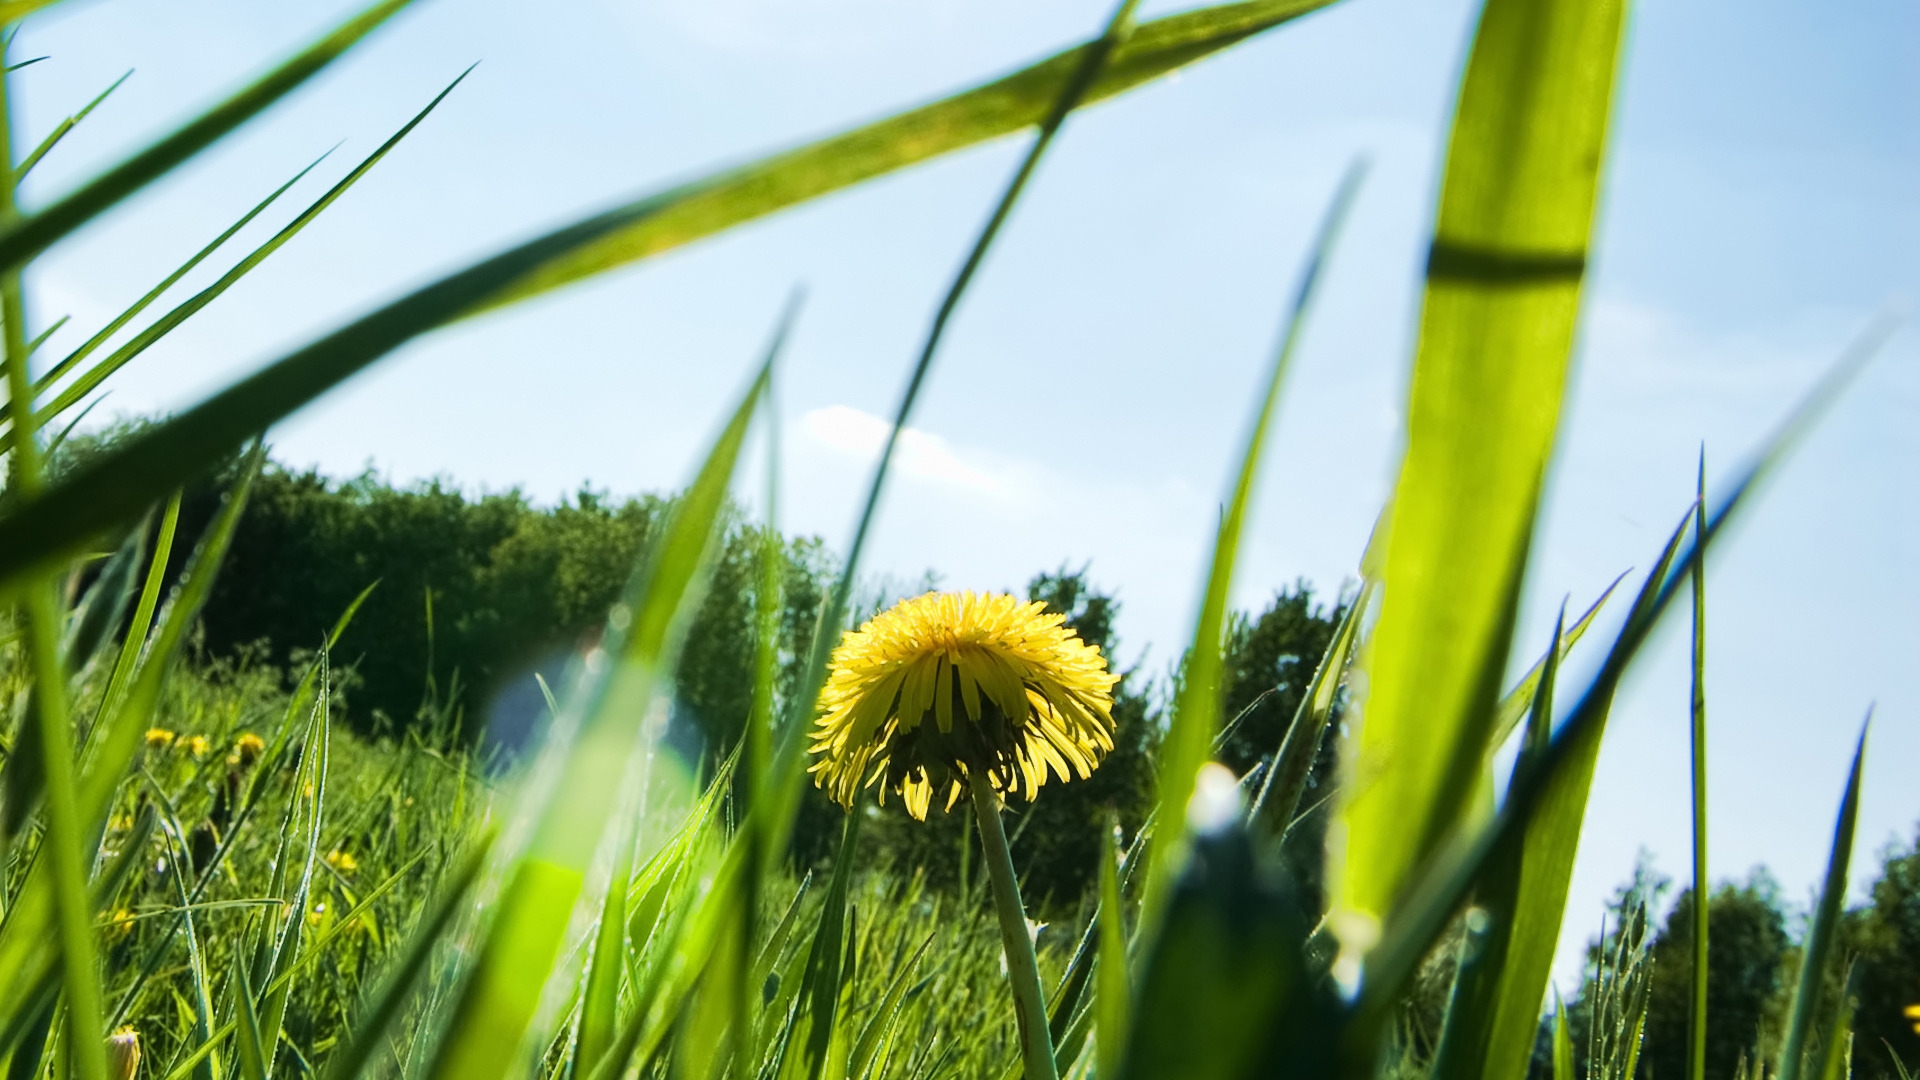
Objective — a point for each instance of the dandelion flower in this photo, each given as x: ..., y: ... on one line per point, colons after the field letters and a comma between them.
x: 945, y: 686
x: 159, y: 738
x: 197, y: 746
x: 246, y: 751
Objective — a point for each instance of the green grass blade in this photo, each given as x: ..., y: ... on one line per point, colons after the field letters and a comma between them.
x: 251, y: 1051
x: 63, y: 845
x: 165, y: 325
x: 600, y: 1000
x: 208, y: 1066
x: 1697, y: 1018
x: 1079, y: 75
x: 1495, y: 1011
x: 14, y: 10
x: 1562, y: 1042
x: 1825, y: 928
x: 389, y: 1001
x: 516, y: 958
x: 1839, y: 1033
x: 1518, y: 702
x: 1113, y: 993
x: 776, y: 944
x: 1443, y: 883
x: 92, y: 622
x: 821, y: 990
x: 1278, y: 800
x: 1557, y: 774
x: 307, y: 809
x: 123, y: 729
x: 170, y: 454
x: 92, y: 344
x: 136, y: 632
x: 21, y: 240
x: 60, y: 130
x: 1196, y: 715
x: 1497, y: 328
x: 1006, y: 105
x: 885, y: 1015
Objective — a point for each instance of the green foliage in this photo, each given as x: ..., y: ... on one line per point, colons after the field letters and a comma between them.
x: 1747, y: 957
x: 1883, y: 940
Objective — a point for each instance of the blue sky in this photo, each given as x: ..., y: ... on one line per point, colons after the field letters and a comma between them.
x: 1761, y: 206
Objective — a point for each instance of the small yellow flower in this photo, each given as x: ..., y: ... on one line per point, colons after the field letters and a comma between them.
x: 1912, y: 1012
x: 342, y: 861
x: 1012, y: 693
x: 198, y: 746
x: 159, y: 738
x: 120, y: 823
x: 247, y: 750
x: 120, y: 924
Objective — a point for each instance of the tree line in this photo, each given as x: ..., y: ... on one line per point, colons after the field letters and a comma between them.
x: 473, y: 595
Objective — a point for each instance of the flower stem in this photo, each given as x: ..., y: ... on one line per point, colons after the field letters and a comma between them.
x: 1023, y: 971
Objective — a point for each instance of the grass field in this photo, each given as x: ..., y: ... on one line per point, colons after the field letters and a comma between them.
x: 203, y: 878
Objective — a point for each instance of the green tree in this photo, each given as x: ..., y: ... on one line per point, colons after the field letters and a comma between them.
x: 1279, y: 649
x: 1884, y: 940
x: 1747, y: 960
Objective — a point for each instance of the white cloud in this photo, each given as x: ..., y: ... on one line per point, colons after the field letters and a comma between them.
x: 920, y: 454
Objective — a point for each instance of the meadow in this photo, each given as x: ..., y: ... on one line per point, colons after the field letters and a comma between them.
x: 210, y: 868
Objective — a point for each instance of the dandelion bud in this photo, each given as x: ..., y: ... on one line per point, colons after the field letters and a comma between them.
x: 123, y: 1054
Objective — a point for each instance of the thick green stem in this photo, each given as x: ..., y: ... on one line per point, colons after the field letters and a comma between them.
x: 1023, y: 971
x: 64, y: 842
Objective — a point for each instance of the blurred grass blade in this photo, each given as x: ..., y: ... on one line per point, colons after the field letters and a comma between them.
x: 1540, y: 820
x: 136, y: 633
x: 1196, y: 714
x: 1697, y: 1018
x: 1019, y: 100
x: 599, y: 1002
x: 26, y: 237
x: 167, y: 455
x: 1280, y: 790
x: 306, y: 814
x: 516, y: 957
x: 92, y: 622
x: 92, y: 344
x: 124, y: 728
x: 1518, y: 702
x: 252, y: 1053
x: 1080, y: 75
x: 885, y: 1015
x: 60, y: 130
x: 1825, y: 929
x: 1839, y: 1033
x: 821, y: 991
x: 1444, y: 881
x: 15, y: 10
x: 1497, y: 328
x: 1562, y: 1042
x: 98, y: 374
x: 1113, y: 995
x: 1495, y: 1011
x: 396, y: 987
